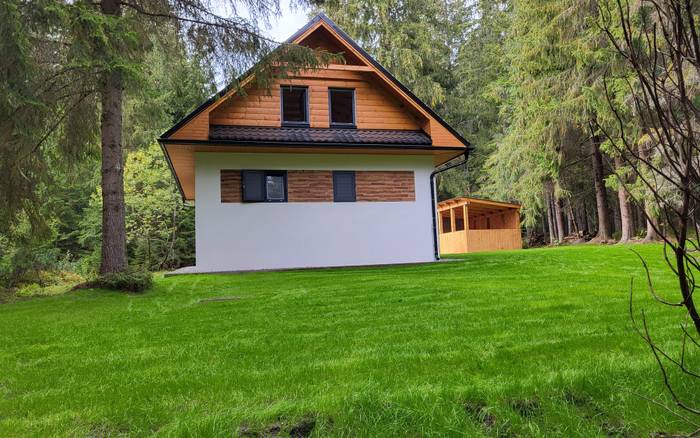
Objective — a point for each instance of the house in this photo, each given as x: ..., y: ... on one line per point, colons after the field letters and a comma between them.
x: 472, y: 225
x: 330, y: 167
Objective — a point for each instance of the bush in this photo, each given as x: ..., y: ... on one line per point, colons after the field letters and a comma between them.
x: 129, y: 281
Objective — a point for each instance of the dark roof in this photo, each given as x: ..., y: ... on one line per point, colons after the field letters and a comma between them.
x: 346, y: 37
x: 318, y: 135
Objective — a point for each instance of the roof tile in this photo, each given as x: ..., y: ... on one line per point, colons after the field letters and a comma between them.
x: 318, y: 135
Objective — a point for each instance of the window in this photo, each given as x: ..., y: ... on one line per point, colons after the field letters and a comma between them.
x: 342, y: 107
x: 343, y: 186
x: 264, y: 186
x: 295, y: 108
x: 446, y: 221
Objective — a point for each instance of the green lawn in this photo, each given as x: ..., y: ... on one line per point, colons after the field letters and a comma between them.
x: 534, y: 343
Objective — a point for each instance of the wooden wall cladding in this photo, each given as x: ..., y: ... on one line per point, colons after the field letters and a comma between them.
x: 385, y: 186
x: 317, y: 186
x: 231, y: 186
x: 376, y: 108
x: 309, y: 186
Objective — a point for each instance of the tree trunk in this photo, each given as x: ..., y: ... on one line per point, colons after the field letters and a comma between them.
x: 652, y: 222
x: 113, y: 222
x: 550, y: 212
x: 601, y: 199
x: 573, y: 223
x: 626, y: 226
x: 559, y: 217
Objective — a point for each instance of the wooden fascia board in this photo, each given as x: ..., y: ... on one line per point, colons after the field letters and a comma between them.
x: 475, y: 202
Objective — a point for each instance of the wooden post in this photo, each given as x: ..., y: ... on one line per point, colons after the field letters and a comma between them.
x: 452, y: 219
x: 466, y: 228
x: 439, y: 215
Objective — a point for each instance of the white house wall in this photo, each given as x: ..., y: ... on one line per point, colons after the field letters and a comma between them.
x: 252, y: 236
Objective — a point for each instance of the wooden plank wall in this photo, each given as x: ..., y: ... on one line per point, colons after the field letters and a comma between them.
x: 453, y: 243
x: 493, y: 240
x: 231, y: 186
x: 375, y: 107
x: 385, y: 186
x: 309, y: 186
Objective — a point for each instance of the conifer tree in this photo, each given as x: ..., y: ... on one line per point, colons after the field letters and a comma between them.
x: 69, y: 64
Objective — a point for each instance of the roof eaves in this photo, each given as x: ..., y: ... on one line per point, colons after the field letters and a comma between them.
x: 306, y: 144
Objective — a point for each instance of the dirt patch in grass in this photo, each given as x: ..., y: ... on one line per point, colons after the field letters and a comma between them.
x: 527, y: 407
x: 578, y: 400
x: 303, y: 428
x: 299, y: 429
x: 591, y: 411
x: 479, y: 413
x: 271, y: 430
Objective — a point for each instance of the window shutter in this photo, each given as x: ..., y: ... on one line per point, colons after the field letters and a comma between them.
x: 344, y: 186
x: 253, y: 185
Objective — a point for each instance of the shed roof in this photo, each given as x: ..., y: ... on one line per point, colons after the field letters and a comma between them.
x: 478, y: 205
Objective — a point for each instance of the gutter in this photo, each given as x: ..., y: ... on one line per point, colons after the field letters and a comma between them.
x: 436, y: 247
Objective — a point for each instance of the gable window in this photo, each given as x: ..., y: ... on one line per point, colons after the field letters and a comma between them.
x: 295, y: 106
x: 264, y: 185
x: 344, y: 186
x: 342, y: 107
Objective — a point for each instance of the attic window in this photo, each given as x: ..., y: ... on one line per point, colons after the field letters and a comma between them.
x: 295, y: 108
x: 342, y: 107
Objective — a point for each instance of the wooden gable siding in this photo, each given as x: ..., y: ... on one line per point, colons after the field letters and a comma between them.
x: 440, y: 135
x: 322, y: 39
x: 375, y: 107
x: 195, y: 129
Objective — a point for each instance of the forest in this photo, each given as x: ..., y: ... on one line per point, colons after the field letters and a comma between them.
x: 542, y: 90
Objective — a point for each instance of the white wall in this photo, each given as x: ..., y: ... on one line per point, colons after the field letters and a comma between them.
x: 249, y: 236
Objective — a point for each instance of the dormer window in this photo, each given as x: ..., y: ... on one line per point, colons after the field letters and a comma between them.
x: 295, y: 106
x: 342, y: 107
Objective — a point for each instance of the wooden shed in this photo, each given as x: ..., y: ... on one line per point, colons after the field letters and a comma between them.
x: 472, y: 225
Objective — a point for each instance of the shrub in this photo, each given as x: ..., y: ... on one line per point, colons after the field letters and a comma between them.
x: 28, y: 290
x: 129, y: 281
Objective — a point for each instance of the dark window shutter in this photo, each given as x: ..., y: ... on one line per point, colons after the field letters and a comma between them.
x: 253, y: 185
x: 344, y: 186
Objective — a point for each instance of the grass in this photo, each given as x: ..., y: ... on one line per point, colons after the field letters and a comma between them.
x: 530, y: 343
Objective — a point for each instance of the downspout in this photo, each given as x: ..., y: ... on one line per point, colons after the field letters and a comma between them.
x: 432, y: 196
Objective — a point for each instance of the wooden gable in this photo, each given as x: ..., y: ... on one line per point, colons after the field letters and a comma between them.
x: 381, y: 101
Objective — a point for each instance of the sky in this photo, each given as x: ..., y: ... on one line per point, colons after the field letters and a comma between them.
x: 291, y: 20
x: 279, y: 28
